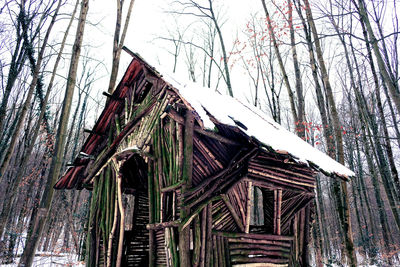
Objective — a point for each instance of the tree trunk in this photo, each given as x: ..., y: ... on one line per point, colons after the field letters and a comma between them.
x: 381, y: 63
x: 119, y: 42
x: 224, y: 55
x: 300, y: 129
x: 340, y: 191
x: 17, y: 61
x: 37, y: 226
x: 33, y: 84
x: 13, y: 190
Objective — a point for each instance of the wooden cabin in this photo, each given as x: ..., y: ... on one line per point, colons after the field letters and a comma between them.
x: 183, y: 176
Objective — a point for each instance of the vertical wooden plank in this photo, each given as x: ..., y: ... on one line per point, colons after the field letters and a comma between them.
x: 122, y: 222
x: 219, y: 252
x: 215, y: 251
x: 277, y: 211
x: 161, y: 207
x: 296, y: 237
x: 184, y: 235
x: 151, y: 214
x: 209, y: 250
x: 307, y: 214
x: 233, y: 212
x: 173, y: 205
x: 248, y: 206
x: 222, y: 254
x: 196, y: 242
x: 301, y: 231
x: 203, y: 236
x: 167, y: 244
x: 227, y: 256
x: 174, y: 252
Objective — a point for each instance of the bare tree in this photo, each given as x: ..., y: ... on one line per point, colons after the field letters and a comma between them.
x: 390, y: 83
x: 55, y: 167
x: 119, y: 41
x: 280, y: 61
x: 36, y: 80
x: 192, y: 7
x: 13, y: 191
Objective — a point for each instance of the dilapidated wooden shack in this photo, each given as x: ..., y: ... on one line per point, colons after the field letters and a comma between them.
x: 183, y: 176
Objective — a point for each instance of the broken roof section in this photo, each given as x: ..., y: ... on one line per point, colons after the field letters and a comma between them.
x: 254, y: 123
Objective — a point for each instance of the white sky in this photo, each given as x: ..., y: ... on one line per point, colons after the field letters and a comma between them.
x: 149, y: 21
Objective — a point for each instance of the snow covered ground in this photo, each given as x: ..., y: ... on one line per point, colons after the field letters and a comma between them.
x: 45, y: 258
x: 52, y: 260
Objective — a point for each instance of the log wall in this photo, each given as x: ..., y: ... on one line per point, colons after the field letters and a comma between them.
x: 202, y: 193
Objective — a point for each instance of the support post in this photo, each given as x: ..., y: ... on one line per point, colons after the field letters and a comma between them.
x: 277, y: 211
x: 184, y: 235
x: 248, y: 206
x: 306, y: 235
x: 151, y: 214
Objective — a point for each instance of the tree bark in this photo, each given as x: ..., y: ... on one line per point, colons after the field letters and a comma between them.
x: 33, y: 83
x: 340, y: 191
x: 381, y: 63
x: 300, y: 129
x: 5, y: 213
x: 225, y: 57
x: 55, y: 168
x: 119, y: 41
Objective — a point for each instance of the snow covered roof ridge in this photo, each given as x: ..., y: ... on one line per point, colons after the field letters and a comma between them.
x: 252, y: 121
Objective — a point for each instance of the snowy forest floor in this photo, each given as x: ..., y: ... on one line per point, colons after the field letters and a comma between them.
x: 47, y: 259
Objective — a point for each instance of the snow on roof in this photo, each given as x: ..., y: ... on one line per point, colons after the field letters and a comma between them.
x: 227, y: 110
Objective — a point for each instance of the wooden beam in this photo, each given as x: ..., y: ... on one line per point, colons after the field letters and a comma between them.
x: 277, y: 211
x: 239, y: 203
x: 218, y: 186
x: 187, y: 172
x: 235, y: 161
x: 241, y: 259
x: 216, y: 136
x: 233, y: 212
x: 91, y: 132
x: 209, y: 247
x: 172, y: 187
x: 152, y: 245
x: 248, y: 206
x: 203, y: 237
x: 179, y: 119
x: 285, y: 180
x: 307, y: 214
x: 107, y: 154
x: 158, y: 226
x: 113, y: 97
x: 186, y: 221
x: 254, y: 236
x: 127, y: 50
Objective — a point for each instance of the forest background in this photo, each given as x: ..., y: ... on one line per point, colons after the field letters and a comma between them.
x: 327, y: 70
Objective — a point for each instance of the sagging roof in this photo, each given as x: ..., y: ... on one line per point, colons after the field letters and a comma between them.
x: 209, y: 106
x: 254, y: 123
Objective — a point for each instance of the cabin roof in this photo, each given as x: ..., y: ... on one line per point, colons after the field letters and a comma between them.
x: 209, y: 108
x: 254, y: 123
